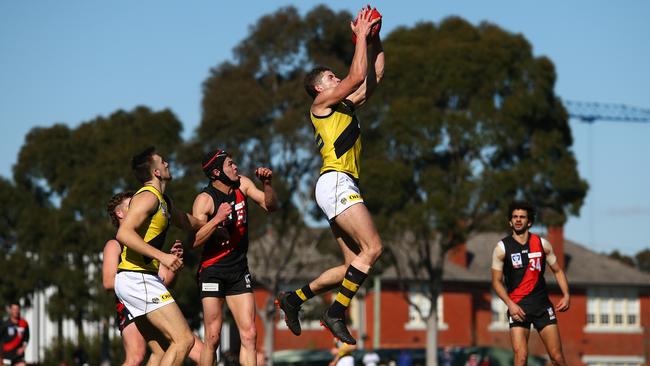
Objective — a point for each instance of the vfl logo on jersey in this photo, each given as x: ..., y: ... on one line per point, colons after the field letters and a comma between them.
x: 247, y: 278
x: 551, y: 313
x: 163, y: 209
x: 516, y: 260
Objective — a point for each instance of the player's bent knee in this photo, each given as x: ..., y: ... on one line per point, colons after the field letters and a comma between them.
x: 211, y: 341
x: 212, y: 336
x: 374, y: 251
x: 248, y: 336
x: 557, y: 357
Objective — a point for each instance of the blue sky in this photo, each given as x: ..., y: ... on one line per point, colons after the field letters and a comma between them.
x: 70, y: 61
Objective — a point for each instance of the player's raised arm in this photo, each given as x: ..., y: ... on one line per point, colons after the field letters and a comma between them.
x: 266, y: 197
x: 330, y: 90
x: 376, y: 60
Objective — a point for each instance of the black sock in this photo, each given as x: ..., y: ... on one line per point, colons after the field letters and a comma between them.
x: 298, y: 297
x: 351, y: 283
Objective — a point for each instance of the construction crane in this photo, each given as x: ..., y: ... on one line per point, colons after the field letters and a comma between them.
x: 592, y: 111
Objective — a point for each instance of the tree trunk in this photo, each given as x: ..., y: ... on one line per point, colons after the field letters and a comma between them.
x: 106, y: 343
x: 432, y: 334
x: 81, y: 337
x: 269, y: 330
x: 361, y: 298
x: 59, y: 338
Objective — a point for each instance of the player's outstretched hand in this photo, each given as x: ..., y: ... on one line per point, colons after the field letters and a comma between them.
x: 264, y: 174
x: 363, y: 23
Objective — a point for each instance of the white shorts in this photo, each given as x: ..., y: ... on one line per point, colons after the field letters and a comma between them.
x: 335, y: 192
x: 141, y: 293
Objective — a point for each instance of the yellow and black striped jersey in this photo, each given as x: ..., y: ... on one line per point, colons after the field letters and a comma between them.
x: 338, y: 136
x: 153, y: 232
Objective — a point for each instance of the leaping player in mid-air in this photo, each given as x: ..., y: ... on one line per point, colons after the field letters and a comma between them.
x: 338, y: 136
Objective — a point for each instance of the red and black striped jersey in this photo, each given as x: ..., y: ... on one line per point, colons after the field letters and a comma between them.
x: 228, y: 254
x: 523, y: 270
x: 13, y: 337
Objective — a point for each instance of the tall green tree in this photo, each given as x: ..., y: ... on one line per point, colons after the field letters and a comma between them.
x: 625, y: 259
x: 256, y: 107
x: 71, y: 173
x: 19, y: 278
x: 468, y: 120
x: 642, y: 260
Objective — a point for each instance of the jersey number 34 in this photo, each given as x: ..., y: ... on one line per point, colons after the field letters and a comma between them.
x: 535, y: 264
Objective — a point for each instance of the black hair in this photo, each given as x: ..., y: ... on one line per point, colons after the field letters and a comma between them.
x: 522, y: 205
x: 141, y: 164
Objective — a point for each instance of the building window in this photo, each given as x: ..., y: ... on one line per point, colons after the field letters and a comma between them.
x: 590, y: 360
x: 499, y: 314
x: 612, y: 310
x: 418, y: 298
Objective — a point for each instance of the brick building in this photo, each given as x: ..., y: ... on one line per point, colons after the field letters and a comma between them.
x: 608, y: 322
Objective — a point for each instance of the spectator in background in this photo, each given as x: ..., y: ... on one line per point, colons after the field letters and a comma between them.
x: 485, y: 361
x: 447, y: 357
x: 371, y: 358
x: 472, y: 360
x: 405, y: 358
x: 15, y: 335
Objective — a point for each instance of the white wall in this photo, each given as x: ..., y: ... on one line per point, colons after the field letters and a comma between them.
x: 43, y: 330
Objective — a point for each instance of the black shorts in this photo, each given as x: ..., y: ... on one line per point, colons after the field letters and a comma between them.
x: 215, y: 282
x: 12, y: 360
x: 122, y: 317
x: 538, y: 316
